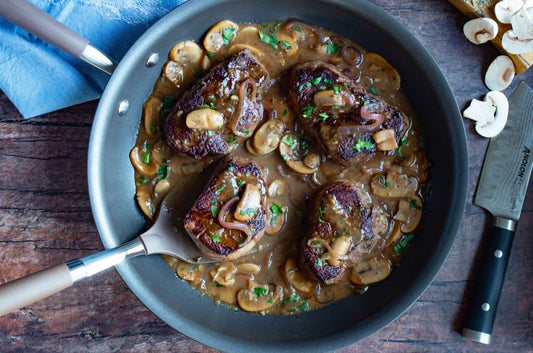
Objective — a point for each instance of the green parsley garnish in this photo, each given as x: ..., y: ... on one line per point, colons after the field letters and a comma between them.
x: 214, y: 211
x: 286, y: 44
x: 316, y: 80
x: 292, y: 299
x: 276, y: 26
x: 308, y: 110
x: 209, y: 55
x: 168, y: 102
x: 373, y: 89
x: 259, y: 291
x: 231, y: 140
x: 220, y: 189
x: 320, y: 213
x: 414, y: 205
x: 297, y: 29
x: 146, y: 153
x: 285, y: 112
x: 318, y: 262
x: 332, y: 48
x: 162, y: 171
x: 403, y: 243
x: 304, y: 145
x: 360, y: 144
x: 276, y: 212
x: 336, y: 89
x: 241, y: 183
x: 215, y: 238
x: 289, y: 141
x: 227, y: 34
x: 211, y: 105
x: 143, y: 180
x: 402, y: 142
x: 153, y: 128
x: 323, y: 116
x: 269, y: 39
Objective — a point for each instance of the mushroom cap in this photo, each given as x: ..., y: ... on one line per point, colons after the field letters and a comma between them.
x: 480, y: 30
x: 500, y: 73
x: 505, y: 9
x: 513, y: 45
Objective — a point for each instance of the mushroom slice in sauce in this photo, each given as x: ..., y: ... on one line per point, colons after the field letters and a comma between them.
x: 292, y: 150
x: 257, y: 297
x: 393, y: 185
x: 372, y: 270
x: 297, y: 279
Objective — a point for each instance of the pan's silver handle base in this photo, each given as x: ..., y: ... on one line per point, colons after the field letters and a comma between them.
x: 85, y: 267
x: 477, y: 336
x: 98, y: 59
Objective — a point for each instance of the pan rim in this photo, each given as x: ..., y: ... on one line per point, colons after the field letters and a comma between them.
x: 339, y: 339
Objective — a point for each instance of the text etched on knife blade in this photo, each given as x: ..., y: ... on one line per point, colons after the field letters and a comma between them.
x: 520, y: 175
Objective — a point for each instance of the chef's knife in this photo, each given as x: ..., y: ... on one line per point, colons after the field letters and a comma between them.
x: 501, y: 190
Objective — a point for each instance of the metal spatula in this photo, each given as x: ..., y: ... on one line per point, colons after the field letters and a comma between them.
x: 159, y: 239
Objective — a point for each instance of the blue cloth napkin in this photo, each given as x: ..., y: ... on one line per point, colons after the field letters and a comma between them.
x: 39, y: 78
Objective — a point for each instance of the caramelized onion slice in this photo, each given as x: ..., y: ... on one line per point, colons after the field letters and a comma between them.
x: 243, y: 227
x: 366, y: 113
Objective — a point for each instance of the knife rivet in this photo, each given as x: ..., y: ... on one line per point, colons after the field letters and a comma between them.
x: 485, y: 307
x: 498, y: 254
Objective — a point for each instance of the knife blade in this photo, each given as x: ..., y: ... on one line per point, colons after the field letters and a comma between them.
x: 501, y: 191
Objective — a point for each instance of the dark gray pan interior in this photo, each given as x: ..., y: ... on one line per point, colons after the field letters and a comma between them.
x: 111, y: 181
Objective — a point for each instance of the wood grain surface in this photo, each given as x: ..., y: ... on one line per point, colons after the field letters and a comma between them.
x: 45, y: 219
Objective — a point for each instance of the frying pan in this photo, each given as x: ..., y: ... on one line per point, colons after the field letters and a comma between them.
x: 118, y: 219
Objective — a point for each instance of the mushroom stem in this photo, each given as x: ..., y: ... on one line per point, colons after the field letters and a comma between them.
x: 247, y: 89
x: 233, y: 225
x: 377, y: 120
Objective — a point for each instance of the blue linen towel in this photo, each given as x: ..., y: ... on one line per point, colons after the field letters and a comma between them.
x: 39, y: 78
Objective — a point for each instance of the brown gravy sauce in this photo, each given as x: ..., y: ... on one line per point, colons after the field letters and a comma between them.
x: 159, y: 169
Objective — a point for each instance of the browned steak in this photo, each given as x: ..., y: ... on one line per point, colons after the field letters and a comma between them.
x: 343, y: 226
x: 339, y: 113
x: 228, y: 217
x: 231, y: 88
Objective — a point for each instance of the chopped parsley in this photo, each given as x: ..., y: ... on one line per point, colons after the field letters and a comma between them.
x: 241, y: 183
x: 297, y: 29
x: 143, y: 180
x: 332, y: 48
x: 211, y: 105
x: 231, y: 140
x: 316, y: 80
x: 269, y: 39
x: 360, y: 144
x: 373, y: 89
x: 323, y: 116
x: 168, y: 102
x: 336, y: 89
x: 276, y: 212
x: 162, y: 171
x: 292, y: 299
x: 414, y: 205
x: 285, y: 112
x: 153, y: 128
x: 402, y: 142
x: 289, y: 141
x: 227, y: 34
x: 146, y: 153
x: 320, y: 213
x: 215, y: 238
x: 304, y: 145
x: 220, y: 189
x: 383, y: 181
x: 308, y: 110
x: 286, y: 44
x: 199, y: 72
x: 259, y: 291
x: 403, y: 243
x: 318, y: 262
x: 248, y: 212
x: 214, y: 211
x: 209, y: 55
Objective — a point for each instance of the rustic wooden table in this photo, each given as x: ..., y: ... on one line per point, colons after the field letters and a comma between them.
x: 45, y: 219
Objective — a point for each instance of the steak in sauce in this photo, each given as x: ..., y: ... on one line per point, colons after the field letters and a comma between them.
x: 228, y: 217
x: 341, y: 115
x: 220, y: 110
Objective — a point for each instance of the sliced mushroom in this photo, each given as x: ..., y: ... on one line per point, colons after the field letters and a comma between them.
x: 312, y: 160
x: 219, y: 35
x: 522, y: 24
x: 189, y: 272
x: 480, y: 111
x: 277, y: 187
x: 249, y: 205
x: 144, y: 200
x: 500, y: 73
x: 239, y: 46
x: 291, y: 153
x: 514, y: 45
x: 505, y: 9
x: 142, y: 162
x: 338, y: 250
x: 409, y: 213
x: 492, y: 128
x: 372, y: 270
x: 186, y: 53
x: 385, y: 140
x: 248, y: 268
x: 395, y: 234
x: 151, y: 112
x: 266, y: 138
x: 297, y: 280
x: 275, y: 216
x: 224, y: 274
x: 288, y: 44
x: 377, y: 64
x: 204, y: 118
x: 328, y: 98
x: 173, y: 71
x: 257, y: 297
x: 480, y: 30
x: 162, y: 187
x: 393, y: 185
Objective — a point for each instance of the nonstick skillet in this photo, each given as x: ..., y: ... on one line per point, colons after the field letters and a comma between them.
x: 112, y: 187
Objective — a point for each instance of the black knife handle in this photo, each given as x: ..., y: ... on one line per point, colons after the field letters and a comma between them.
x: 484, y: 302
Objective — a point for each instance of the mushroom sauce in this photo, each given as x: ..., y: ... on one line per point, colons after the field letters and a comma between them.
x: 267, y: 279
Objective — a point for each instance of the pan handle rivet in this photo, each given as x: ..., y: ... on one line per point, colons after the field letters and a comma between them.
x: 498, y: 254
x: 152, y: 60
x: 123, y: 107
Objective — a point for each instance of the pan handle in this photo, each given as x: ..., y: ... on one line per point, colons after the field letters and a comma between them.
x: 44, y: 26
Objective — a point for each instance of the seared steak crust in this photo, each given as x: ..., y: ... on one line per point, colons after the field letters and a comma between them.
x: 203, y: 220
x: 342, y: 209
x: 233, y: 88
x: 335, y: 127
